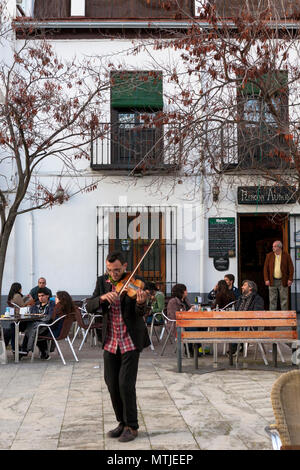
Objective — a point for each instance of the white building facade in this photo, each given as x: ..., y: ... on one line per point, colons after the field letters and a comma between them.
x: 199, y: 238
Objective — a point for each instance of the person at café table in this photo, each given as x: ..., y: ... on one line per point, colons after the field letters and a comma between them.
x: 15, y: 296
x: 45, y: 307
x: 180, y: 302
x: 41, y: 284
x: 16, y: 299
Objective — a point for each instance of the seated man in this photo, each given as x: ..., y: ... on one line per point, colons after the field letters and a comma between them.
x: 156, y: 302
x: 249, y: 300
x: 41, y: 285
x: 45, y: 307
x: 229, y: 278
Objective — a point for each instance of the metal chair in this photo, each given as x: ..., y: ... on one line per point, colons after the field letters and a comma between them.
x: 3, y: 354
x: 80, y: 315
x: 285, y: 433
x: 258, y: 345
x: 64, y: 334
x: 154, y: 324
x: 170, y: 329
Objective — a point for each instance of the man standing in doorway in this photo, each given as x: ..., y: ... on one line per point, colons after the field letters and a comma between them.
x: 278, y: 275
x: 124, y: 335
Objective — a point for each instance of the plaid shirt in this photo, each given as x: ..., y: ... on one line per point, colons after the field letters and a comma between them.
x: 117, y: 334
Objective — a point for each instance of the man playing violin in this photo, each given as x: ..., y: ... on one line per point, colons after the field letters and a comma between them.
x: 124, y: 335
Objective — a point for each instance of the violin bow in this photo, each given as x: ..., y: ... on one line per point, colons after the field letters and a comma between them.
x: 137, y: 266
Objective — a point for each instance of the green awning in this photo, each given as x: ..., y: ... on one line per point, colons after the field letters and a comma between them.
x: 137, y: 90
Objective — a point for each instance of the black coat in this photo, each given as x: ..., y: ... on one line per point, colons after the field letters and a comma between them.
x: 256, y: 303
x: 132, y: 314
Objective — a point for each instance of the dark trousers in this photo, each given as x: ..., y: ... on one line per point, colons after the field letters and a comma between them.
x: 120, y: 373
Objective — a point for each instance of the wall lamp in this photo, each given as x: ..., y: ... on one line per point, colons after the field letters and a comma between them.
x: 215, y: 193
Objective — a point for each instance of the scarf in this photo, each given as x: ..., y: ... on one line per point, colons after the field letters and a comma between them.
x: 246, y: 301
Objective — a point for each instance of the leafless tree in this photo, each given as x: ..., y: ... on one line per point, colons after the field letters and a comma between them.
x: 50, y: 110
x: 234, y: 109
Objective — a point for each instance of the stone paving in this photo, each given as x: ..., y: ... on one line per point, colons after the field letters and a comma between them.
x: 46, y: 405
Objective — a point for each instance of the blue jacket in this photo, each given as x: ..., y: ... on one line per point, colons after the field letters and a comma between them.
x: 48, y: 311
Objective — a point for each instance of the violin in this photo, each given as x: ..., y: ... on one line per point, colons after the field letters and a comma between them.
x: 132, y: 285
x: 129, y: 284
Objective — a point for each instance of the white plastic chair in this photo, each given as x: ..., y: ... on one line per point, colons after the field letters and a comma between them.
x: 64, y: 334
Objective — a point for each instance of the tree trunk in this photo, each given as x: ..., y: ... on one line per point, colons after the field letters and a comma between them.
x: 4, y: 239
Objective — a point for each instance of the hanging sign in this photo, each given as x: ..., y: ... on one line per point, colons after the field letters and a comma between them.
x: 221, y: 263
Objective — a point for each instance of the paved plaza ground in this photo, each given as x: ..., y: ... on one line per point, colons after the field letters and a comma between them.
x: 49, y: 406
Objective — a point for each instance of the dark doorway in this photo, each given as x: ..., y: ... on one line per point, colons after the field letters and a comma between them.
x: 256, y: 235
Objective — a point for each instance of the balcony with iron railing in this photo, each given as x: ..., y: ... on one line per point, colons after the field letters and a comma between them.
x: 254, y: 147
x: 136, y: 148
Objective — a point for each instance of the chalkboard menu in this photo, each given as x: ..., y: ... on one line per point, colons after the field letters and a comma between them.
x: 221, y: 236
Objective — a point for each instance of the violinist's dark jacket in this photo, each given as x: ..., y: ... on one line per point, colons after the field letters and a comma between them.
x: 132, y: 313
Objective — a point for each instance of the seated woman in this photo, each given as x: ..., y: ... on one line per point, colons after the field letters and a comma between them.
x: 15, y: 296
x: 16, y: 299
x: 224, y: 295
x: 64, y: 305
x: 179, y: 301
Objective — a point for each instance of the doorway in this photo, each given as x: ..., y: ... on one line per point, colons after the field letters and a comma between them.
x: 257, y: 232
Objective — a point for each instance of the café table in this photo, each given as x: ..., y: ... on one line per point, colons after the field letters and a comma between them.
x: 16, y: 319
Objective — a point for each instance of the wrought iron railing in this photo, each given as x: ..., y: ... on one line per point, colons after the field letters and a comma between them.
x: 253, y: 146
x: 136, y: 147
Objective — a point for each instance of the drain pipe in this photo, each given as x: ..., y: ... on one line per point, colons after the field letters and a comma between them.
x: 31, y: 248
x: 202, y: 244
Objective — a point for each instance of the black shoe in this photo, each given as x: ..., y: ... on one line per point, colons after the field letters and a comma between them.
x: 117, y: 431
x: 234, y: 350
x: 45, y: 357
x: 128, y: 434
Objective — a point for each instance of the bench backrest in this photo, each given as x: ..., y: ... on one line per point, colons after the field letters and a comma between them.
x: 286, y: 319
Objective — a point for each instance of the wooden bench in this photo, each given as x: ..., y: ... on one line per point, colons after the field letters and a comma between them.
x: 255, y: 327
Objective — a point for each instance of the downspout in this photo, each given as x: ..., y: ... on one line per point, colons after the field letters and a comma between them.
x: 202, y: 244
x: 31, y: 248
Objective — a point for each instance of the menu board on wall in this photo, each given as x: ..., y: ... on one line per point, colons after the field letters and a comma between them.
x: 221, y: 236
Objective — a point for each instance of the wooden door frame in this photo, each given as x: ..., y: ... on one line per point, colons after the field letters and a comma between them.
x: 285, y: 233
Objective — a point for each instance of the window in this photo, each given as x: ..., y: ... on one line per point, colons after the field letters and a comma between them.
x: 136, y: 99
x: 263, y: 107
x: 131, y: 229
